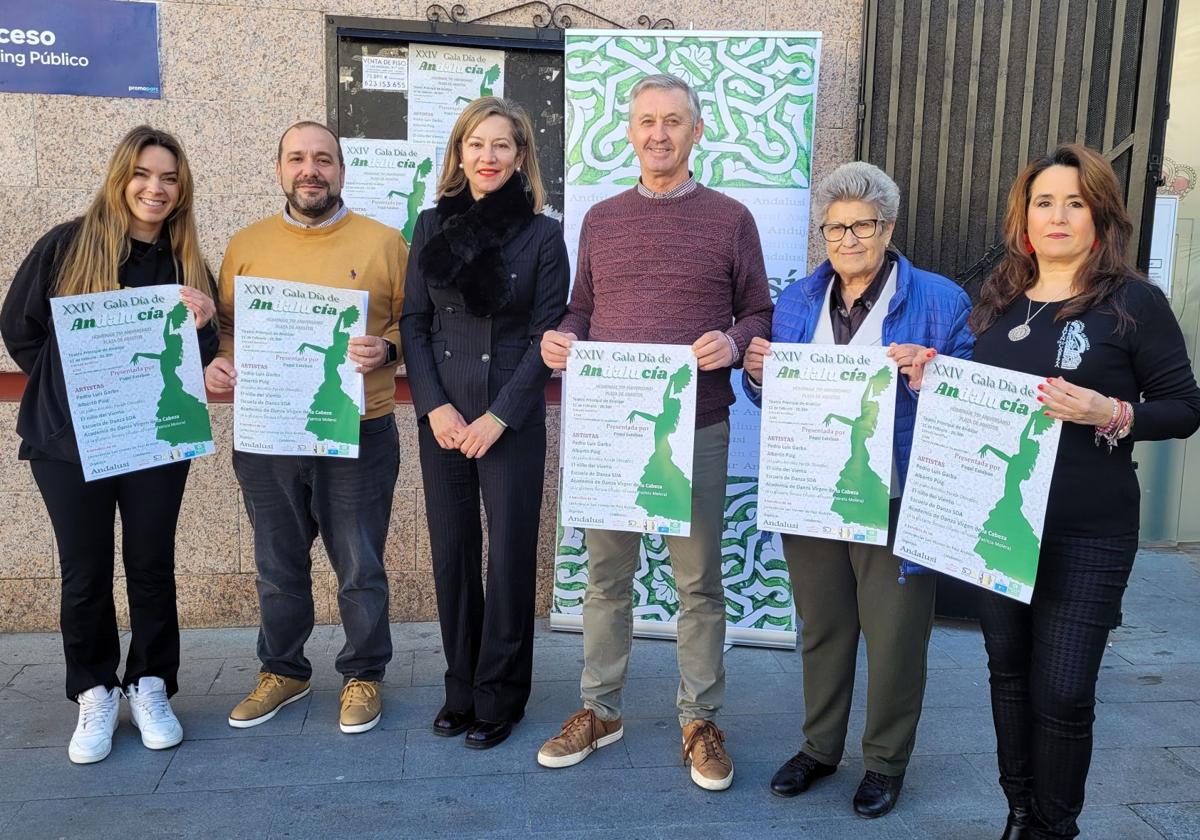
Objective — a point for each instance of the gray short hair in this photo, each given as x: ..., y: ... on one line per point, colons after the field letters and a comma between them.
x: 858, y: 181
x: 665, y: 81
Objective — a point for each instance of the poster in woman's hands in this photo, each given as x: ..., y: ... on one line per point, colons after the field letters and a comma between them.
x: 629, y: 426
x: 131, y: 365
x: 825, y: 457
x: 979, y: 476
x: 298, y: 392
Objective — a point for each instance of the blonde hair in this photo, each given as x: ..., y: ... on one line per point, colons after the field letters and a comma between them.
x: 453, y: 180
x: 94, y: 258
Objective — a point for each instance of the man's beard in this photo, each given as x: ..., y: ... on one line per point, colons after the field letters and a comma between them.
x: 316, y: 205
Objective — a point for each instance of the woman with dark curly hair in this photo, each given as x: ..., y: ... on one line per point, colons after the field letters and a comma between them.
x: 1066, y: 304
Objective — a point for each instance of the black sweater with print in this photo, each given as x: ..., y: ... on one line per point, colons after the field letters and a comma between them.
x: 1094, y: 493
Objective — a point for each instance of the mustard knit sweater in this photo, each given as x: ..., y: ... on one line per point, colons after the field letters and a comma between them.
x: 354, y: 253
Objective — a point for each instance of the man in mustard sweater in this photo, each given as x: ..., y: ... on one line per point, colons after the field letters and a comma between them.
x: 292, y: 499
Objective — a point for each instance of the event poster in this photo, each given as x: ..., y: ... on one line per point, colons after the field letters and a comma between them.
x: 297, y: 391
x: 825, y: 468
x: 758, y: 98
x: 442, y: 80
x: 135, y: 384
x: 628, y: 429
x: 390, y: 181
x: 979, y: 475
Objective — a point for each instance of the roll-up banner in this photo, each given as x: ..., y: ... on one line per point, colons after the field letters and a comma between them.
x: 758, y: 96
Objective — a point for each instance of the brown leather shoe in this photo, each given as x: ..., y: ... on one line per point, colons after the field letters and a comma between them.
x: 704, y: 749
x: 581, y: 735
x: 272, y: 693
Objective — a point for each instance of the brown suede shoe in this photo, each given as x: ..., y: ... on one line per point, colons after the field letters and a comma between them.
x: 272, y: 693
x: 362, y: 707
x: 704, y: 749
x: 581, y: 735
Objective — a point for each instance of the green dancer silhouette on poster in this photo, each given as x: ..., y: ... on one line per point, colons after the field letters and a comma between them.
x: 490, y: 77
x: 1007, y: 542
x: 181, y: 417
x: 415, y: 198
x: 664, y: 490
x: 861, y: 497
x: 333, y: 415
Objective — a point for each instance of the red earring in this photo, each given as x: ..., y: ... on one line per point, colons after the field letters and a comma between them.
x: 1028, y: 245
x: 1095, y: 244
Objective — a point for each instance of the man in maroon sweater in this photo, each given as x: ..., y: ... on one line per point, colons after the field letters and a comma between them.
x: 667, y: 262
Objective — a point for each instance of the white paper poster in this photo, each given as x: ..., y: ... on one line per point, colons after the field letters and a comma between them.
x: 297, y: 392
x: 442, y: 81
x: 1162, y: 242
x: 131, y: 363
x: 825, y: 467
x: 385, y: 72
x: 629, y: 425
x: 979, y: 475
x: 390, y: 181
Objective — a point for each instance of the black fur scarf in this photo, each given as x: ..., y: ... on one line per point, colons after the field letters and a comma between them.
x: 467, y: 251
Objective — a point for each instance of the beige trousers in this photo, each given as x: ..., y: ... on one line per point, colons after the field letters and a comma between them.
x: 696, y: 564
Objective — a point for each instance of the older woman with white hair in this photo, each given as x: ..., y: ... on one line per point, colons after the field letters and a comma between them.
x: 864, y: 294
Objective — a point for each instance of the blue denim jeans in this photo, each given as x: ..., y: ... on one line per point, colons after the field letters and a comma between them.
x: 349, y: 503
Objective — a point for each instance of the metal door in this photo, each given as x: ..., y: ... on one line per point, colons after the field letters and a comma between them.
x: 958, y: 95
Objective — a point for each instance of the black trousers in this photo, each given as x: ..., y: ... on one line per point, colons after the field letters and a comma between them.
x: 487, y: 635
x: 83, y: 515
x: 1044, y: 659
x: 348, y: 501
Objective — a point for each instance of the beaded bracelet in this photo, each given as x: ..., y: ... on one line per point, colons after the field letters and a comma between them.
x: 1127, y: 426
x: 1118, y: 427
x: 1113, y: 422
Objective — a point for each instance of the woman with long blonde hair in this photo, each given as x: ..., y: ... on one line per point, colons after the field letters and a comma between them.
x: 487, y: 275
x: 139, y: 231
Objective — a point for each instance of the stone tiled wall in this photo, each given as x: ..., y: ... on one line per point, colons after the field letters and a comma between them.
x: 234, y: 74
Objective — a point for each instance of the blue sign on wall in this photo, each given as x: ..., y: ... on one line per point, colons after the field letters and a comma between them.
x: 83, y: 47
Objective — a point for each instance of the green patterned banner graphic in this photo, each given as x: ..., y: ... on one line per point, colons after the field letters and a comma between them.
x: 758, y: 101
x: 757, y: 97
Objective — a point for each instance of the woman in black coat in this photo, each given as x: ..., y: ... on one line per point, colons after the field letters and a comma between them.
x: 487, y: 275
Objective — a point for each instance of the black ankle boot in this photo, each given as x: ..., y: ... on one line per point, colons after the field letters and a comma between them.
x: 1017, y: 827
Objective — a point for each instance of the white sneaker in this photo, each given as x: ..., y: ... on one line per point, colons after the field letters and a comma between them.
x: 98, y: 710
x: 150, y: 711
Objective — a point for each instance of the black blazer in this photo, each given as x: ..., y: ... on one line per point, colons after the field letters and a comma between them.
x: 485, y: 279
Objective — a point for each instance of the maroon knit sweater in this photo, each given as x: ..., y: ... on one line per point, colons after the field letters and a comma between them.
x: 668, y: 270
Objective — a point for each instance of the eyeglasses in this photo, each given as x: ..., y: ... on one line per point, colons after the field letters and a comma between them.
x: 862, y: 229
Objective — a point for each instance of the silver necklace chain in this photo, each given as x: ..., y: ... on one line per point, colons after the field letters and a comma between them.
x: 1021, y: 331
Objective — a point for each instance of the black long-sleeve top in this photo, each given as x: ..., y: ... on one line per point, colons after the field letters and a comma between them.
x: 27, y: 325
x: 1095, y: 493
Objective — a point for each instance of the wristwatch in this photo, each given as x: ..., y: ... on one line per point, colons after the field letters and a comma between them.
x: 392, y: 354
